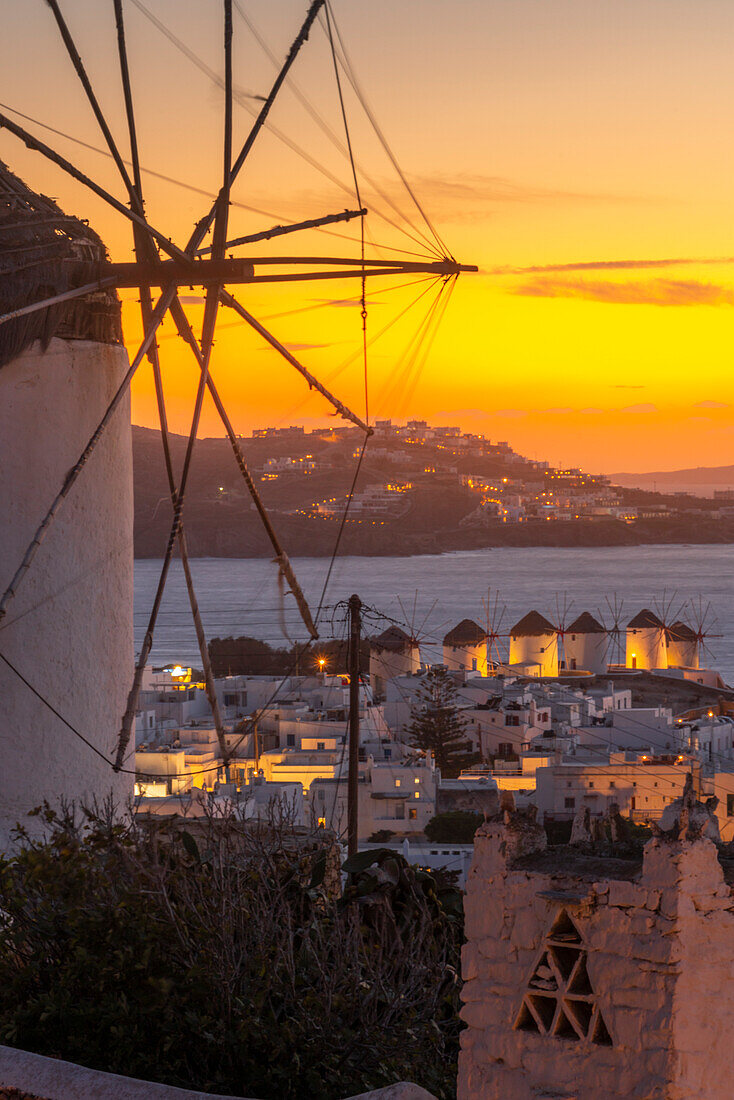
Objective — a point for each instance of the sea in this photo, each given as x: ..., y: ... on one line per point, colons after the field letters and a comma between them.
x: 431, y: 593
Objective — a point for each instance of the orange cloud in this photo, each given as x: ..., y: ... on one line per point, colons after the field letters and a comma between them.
x: 650, y: 292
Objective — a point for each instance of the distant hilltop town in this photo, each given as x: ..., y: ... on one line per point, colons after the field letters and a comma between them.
x: 421, y: 489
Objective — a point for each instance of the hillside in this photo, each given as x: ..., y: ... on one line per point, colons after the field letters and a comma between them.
x: 702, y: 480
x: 416, y: 494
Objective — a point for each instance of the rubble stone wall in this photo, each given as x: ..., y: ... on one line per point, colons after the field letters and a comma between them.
x: 582, y: 984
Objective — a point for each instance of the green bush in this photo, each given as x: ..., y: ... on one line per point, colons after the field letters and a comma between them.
x: 453, y: 827
x: 222, y: 962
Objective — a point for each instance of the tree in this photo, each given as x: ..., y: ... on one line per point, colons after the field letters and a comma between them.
x: 438, y: 726
x: 453, y: 827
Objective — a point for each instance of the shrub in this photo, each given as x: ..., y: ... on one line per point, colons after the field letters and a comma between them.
x: 223, y: 963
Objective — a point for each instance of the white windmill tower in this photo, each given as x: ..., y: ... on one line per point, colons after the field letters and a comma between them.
x: 586, y: 644
x: 688, y: 640
x: 72, y: 618
x: 465, y: 648
x: 646, y: 645
x: 534, y: 646
x: 65, y: 498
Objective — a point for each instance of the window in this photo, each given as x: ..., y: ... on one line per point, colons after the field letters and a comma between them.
x: 417, y: 780
x: 398, y: 782
x: 417, y: 794
x: 400, y: 810
x: 569, y: 803
x: 412, y: 814
x: 730, y: 805
x: 568, y: 783
x: 613, y: 785
x: 290, y: 740
x: 591, y: 784
x: 320, y: 745
x: 388, y: 754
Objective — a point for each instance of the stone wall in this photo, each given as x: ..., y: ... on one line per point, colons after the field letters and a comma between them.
x: 589, y: 977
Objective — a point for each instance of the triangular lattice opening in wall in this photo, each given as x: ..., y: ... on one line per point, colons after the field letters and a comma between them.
x: 559, y: 999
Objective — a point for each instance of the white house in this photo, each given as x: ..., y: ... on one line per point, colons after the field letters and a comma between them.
x: 641, y: 785
x: 399, y: 797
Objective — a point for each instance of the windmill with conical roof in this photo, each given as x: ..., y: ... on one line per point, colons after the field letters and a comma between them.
x: 646, y: 646
x: 465, y: 648
x: 586, y: 644
x: 534, y: 646
x: 392, y: 653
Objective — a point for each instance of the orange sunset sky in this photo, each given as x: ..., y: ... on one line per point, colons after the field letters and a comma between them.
x: 580, y: 152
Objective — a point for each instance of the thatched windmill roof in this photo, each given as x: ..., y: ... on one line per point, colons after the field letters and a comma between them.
x: 465, y: 633
x: 44, y: 252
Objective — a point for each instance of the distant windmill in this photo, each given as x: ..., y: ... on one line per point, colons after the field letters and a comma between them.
x: 563, y: 609
x: 498, y: 655
x: 694, y: 634
x: 586, y: 644
x: 612, y: 621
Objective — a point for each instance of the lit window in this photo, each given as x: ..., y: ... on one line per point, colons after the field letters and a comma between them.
x: 417, y: 780
x: 398, y: 782
x: 412, y: 814
x: 417, y: 794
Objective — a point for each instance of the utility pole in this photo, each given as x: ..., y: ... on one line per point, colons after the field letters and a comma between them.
x: 355, y: 624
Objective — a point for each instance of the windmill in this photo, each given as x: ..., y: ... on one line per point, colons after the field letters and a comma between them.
x: 701, y: 626
x: 611, y: 618
x: 209, y: 258
x: 563, y: 608
x: 393, y: 653
x: 498, y: 650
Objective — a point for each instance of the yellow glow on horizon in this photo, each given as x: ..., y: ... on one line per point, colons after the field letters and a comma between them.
x: 583, y: 154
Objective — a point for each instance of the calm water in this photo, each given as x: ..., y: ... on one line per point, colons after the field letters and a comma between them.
x: 241, y: 596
